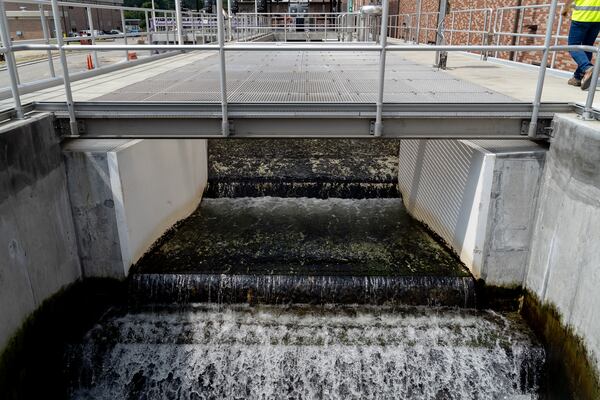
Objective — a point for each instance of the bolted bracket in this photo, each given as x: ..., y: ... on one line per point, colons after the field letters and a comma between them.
x: 543, y: 128
x: 62, y: 127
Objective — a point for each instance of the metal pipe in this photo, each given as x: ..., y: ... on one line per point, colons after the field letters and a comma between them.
x: 230, y: 32
x: 124, y: 34
x: 148, y: 35
x: 587, y: 112
x: 153, y: 17
x: 11, y: 66
x: 558, y: 26
x: 178, y: 21
x: 93, y: 34
x: 46, y: 33
x: 65, y: 68
x: 542, y: 72
x: 378, y: 131
x: 261, y: 46
x: 222, y: 69
x: 418, y: 16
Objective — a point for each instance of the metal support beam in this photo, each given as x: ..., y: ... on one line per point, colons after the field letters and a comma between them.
x: 65, y: 68
x: 407, y: 120
x: 222, y: 69
x: 10, y: 61
x: 542, y: 73
x: 378, y: 131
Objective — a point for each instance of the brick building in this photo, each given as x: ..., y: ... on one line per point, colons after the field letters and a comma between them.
x: 480, y: 22
x: 25, y: 23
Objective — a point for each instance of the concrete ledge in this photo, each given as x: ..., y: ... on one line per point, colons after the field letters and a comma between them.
x: 126, y: 193
x: 479, y: 196
x: 564, y: 265
x: 38, y: 255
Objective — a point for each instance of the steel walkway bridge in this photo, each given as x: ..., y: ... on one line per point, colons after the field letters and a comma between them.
x: 361, y: 85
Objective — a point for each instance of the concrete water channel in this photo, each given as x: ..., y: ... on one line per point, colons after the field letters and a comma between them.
x: 291, y: 252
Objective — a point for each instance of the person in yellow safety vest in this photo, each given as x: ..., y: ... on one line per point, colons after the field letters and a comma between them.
x: 585, y: 25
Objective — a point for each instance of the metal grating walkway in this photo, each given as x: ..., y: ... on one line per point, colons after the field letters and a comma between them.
x: 303, y: 77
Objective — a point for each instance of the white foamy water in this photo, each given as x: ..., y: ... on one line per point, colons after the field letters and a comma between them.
x: 274, y: 352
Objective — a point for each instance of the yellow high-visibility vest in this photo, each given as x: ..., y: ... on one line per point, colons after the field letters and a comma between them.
x: 586, y: 11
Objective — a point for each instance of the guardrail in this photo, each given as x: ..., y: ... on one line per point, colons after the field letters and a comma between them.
x: 380, y: 47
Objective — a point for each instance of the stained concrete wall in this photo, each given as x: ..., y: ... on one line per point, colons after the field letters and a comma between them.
x: 479, y: 196
x: 38, y: 250
x: 126, y: 193
x: 564, y: 264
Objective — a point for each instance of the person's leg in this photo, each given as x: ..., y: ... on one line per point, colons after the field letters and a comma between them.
x: 577, y: 35
x: 590, y: 37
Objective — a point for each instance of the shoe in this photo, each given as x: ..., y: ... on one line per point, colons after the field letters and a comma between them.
x: 587, y: 79
x: 574, y: 81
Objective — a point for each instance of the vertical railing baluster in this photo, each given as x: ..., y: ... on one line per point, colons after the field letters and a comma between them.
x: 178, y: 21
x: 65, y: 68
x: 46, y: 33
x: 222, y: 68
x: 378, y: 129
x: 124, y: 33
x: 587, y: 112
x: 542, y: 74
x: 93, y: 34
x: 10, y: 61
x: 148, y: 35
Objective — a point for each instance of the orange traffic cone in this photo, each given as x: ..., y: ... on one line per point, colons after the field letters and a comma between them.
x: 90, y: 63
x: 132, y: 55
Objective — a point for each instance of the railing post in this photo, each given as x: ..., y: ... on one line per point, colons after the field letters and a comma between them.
x: 222, y: 69
x: 91, y: 25
x: 230, y: 35
x: 148, y: 36
x: 558, y: 26
x: 587, y: 112
x: 542, y: 74
x: 124, y: 33
x: 10, y: 62
x: 178, y: 21
x: 418, y: 17
x: 65, y: 67
x: 46, y: 33
x: 378, y: 129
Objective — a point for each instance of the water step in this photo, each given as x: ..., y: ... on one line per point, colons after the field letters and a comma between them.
x: 304, y: 352
x: 300, y: 250
x: 320, y: 168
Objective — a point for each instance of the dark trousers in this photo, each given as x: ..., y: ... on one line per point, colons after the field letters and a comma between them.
x: 583, y: 33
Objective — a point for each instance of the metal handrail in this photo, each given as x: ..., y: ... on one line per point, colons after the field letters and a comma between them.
x: 221, y: 47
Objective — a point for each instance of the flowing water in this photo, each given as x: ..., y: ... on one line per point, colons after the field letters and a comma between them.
x: 337, y: 295
x: 302, y: 352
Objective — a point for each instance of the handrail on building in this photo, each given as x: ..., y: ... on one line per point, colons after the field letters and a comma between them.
x: 221, y: 47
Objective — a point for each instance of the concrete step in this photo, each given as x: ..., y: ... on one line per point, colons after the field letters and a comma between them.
x: 320, y: 168
x: 278, y: 250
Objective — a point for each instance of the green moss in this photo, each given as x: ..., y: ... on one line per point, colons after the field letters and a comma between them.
x: 32, y: 363
x: 572, y: 372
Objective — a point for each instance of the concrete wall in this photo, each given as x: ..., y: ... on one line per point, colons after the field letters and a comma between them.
x: 126, y: 193
x: 564, y: 264
x: 38, y: 251
x: 479, y: 196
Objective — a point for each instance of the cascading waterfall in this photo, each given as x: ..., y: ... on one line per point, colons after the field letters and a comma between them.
x: 300, y: 352
x: 338, y: 295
